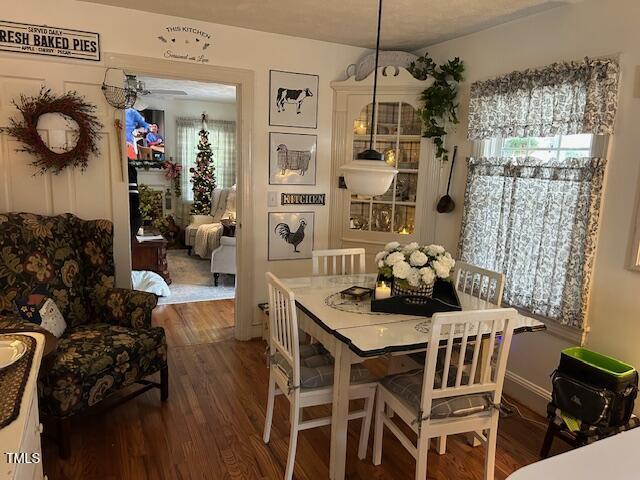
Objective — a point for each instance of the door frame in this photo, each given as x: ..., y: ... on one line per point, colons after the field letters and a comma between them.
x: 243, y: 80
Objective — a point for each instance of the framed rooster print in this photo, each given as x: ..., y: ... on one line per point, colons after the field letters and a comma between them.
x: 293, y: 99
x: 292, y: 158
x: 290, y: 235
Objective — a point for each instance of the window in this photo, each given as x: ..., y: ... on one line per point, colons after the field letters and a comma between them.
x: 531, y: 212
x: 222, y: 138
x: 560, y: 147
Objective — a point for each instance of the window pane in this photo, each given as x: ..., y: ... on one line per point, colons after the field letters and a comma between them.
x: 576, y: 141
x: 515, y: 147
x: 544, y: 142
x: 564, y: 154
x: 544, y: 155
x: 404, y: 222
x: 381, y: 218
x: 359, y: 217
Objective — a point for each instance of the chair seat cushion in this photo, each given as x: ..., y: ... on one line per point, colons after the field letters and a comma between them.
x: 316, y: 368
x: 408, y: 387
x: 95, y: 360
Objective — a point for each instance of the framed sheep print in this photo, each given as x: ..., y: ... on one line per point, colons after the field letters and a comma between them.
x: 292, y: 159
x: 290, y: 235
x: 293, y: 99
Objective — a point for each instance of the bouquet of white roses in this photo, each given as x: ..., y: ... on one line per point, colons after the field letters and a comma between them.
x: 413, y: 266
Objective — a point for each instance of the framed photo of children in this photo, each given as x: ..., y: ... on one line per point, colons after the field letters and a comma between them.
x: 290, y: 235
x: 292, y: 158
x: 293, y: 99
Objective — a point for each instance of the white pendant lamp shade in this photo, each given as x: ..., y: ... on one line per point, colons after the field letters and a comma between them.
x: 368, y: 177
x: 369, y: 174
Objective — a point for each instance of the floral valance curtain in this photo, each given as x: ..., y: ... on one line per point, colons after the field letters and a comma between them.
x: 538, y: 225
x: 560, y: 99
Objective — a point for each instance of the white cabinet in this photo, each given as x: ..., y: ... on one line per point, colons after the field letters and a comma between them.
x: 406, y: 212
x: 22, y: 436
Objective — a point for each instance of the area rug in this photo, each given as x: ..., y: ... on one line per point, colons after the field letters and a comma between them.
x: 192, y: 280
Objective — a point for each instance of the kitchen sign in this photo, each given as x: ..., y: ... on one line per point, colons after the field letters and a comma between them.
x: 50, y: 41
x: 303, y: 199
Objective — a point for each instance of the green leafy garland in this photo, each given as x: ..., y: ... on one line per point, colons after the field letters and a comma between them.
x: 439, y: 99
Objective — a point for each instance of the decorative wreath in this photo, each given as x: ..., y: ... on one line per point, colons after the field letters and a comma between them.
x: 70, y: 105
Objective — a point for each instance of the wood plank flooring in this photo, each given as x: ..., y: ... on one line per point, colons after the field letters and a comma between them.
x: 211, y: 426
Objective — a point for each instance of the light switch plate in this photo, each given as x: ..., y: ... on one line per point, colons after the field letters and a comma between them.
x: 272, y: 199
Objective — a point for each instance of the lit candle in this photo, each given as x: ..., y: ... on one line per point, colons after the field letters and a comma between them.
x: 382, y: 291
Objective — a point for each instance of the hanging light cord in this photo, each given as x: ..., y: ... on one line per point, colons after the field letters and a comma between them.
x: 375, y: 76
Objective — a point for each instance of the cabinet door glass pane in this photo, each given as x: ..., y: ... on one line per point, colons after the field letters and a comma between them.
x: 359, y: 216
x: 405, y: 222
x: 362, y: 124
x: 387, y: 120
x: 381, y: 218
x: 409, y: 121
x: 406, y: 187
x: 408, y: 154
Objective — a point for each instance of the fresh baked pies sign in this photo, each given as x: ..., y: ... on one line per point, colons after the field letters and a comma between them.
x: 72, y: 107
x: 185, y: 43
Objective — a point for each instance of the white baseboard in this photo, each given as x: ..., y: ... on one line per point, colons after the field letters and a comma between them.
x: 528, y: 393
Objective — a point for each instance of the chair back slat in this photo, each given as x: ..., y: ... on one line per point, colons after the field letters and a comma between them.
x: 283, y: 324
x: 461, y: 329
x: 343, y: 261
x: 479, y: 282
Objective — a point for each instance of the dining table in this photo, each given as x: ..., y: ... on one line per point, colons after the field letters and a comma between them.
x: 352, y: 333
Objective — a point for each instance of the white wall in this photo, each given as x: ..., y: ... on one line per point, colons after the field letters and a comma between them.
x: 135, y: 33
x: 591, y: 28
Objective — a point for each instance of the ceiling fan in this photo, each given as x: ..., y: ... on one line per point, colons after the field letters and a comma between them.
x: 140, y: 88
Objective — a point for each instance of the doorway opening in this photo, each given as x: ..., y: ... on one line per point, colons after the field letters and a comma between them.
x: 181, y: 149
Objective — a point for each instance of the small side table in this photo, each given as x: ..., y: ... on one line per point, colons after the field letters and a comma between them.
x: 152, y: 256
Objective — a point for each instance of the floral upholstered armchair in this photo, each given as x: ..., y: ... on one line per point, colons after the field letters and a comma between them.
x: 109, y: 342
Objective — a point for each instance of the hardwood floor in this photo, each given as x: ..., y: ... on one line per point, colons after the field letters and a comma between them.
x: 211, y: 426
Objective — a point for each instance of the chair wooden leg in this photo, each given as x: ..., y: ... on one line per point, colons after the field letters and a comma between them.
x: 293, y: 439
x: 490, y: 453
x: 216, y: 279
x: 366, y: 426
x: 64, y: 437
x: 269, y: 414
x: 379, y: 429
x: 164, y: 383
x: 423, y: 452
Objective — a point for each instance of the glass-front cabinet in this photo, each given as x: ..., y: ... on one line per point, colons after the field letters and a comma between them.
x: 397, y: 135
x: 404, y: 212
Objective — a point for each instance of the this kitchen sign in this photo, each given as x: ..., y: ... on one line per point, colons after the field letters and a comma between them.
x: 51, y: 41
x: 303, y: 199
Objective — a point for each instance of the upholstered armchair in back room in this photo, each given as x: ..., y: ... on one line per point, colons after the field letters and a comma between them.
x: 109, y: 342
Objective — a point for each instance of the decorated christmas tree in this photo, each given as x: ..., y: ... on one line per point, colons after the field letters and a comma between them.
x: 202, y: 175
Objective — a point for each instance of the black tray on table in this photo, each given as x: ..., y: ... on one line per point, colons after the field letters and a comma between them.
x: 444, y: 299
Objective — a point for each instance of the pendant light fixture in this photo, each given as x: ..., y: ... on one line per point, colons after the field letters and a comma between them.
x: 369, y: 174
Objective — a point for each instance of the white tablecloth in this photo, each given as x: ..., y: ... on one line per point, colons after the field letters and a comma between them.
x: 614, y: 458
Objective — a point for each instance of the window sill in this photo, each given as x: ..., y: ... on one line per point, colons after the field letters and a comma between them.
x: 563, y: 332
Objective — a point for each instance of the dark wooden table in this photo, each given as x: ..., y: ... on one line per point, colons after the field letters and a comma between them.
x: 228, y: 228
x: 151, y: 255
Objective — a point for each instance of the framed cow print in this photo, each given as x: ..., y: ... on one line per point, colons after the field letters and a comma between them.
x: 292, y: 159
x: 293, y: 99
x: 290, y: 235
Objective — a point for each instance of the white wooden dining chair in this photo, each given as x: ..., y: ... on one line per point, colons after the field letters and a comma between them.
x: 483, y: 284
x: 448, y: 401
x: 304, y: 374
x: 479, y: 282
x: 341, y: 261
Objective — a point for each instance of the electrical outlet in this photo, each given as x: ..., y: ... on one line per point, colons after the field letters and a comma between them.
x: 272, y: 199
